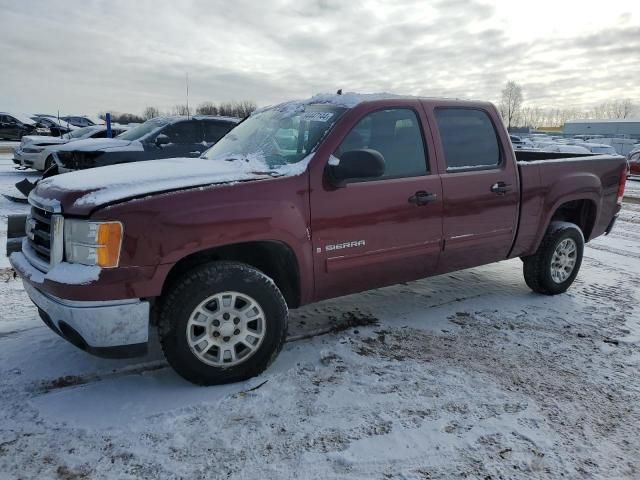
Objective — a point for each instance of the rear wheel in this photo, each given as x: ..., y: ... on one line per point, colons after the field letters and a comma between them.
x: 554, y: 267
x: 222, y: 322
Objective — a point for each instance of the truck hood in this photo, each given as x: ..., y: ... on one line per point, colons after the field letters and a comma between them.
x: 103, y: 145
x: 81, y: 192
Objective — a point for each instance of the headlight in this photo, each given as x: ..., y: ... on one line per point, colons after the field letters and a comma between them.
x: 32, y: 149
x: 92, y: 243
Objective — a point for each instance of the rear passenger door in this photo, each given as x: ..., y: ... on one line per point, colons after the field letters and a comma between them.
x: 185, y: 140
x: 375, y: 232
x: 10, y: 127
x: 480, y: 187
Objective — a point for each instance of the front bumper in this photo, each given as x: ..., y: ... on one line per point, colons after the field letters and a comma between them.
x: 112, y: 329
x: 25, y: 159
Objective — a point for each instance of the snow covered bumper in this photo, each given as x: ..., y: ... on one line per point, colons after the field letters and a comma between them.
x: 28, y: 157
x: 113, y: 329
x: 106, y: 328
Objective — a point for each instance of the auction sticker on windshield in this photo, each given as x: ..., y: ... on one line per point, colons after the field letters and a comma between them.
x: 317, y: 116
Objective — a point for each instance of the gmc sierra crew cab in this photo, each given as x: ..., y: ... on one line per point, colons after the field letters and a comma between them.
x: 300, y: 202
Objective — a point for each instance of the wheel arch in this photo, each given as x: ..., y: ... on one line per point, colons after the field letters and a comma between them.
x: 274, y: 258
x: 582, y: 212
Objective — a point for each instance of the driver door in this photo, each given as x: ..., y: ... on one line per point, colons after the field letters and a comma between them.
x: 371, y: 233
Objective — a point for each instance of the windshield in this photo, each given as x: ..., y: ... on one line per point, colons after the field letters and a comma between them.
x: 278, y: 136
x: 79, y: 133
x: 141, y: 130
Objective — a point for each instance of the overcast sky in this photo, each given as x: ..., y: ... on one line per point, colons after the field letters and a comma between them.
x: 91, y: 56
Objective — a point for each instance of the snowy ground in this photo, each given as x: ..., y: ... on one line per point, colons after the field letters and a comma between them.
x: 468, y: 375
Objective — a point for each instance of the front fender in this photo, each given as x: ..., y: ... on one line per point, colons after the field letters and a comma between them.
x: 162, y: 229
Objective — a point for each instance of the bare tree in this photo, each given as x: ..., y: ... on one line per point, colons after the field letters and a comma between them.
x: 123, y: 118
x: 623, y: 108
x: 207, y: 108
x: 511, y: 103
x: 150, y: 112
x: 246, y: 108
x: 180, y: 110
x: 240, y: 109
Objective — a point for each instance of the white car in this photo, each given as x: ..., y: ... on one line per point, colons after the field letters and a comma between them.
x: 600, y: 148
x: 564, y: 148
x: 543, y: 143
x: 35, y: 151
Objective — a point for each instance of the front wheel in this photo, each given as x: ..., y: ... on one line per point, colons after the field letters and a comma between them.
x: 48, y: 163
x: 222, y: 322
x: 554, y: 267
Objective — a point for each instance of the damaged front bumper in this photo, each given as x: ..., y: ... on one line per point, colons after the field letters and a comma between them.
x: 111, y: 329
x: 15, y: 233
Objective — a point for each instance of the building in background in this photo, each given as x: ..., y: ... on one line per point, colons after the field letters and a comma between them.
x: 620, y: 127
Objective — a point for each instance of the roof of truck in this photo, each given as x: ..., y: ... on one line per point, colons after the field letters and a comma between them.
x: 352, y: 99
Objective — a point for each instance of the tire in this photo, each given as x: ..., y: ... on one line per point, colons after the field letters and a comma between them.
x: 197, y: 300
x: 542, y: 273
x: 47, y: 163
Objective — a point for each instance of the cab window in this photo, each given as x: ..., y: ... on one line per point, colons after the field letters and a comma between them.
x: 184, y: 132
x: 468, y: 139
x: 395, y: 133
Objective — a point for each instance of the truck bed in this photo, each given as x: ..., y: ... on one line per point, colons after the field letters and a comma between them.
x: 534, y: 155
x: 549, y: 180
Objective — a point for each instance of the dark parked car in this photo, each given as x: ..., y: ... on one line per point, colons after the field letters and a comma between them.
x: 161, y: 137
x: 78, y: 121
x: 55, y: 126
x: 15, y: 126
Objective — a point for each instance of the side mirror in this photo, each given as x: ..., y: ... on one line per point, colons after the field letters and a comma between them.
x: 162, y: 139
x: 355, y: 165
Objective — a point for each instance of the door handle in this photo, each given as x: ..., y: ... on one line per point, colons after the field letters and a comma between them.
x: 500, y: 188
x: 195, y: 152
x: 423, y: 198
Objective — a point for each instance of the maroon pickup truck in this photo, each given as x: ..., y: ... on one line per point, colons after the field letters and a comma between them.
x: 301, y: 202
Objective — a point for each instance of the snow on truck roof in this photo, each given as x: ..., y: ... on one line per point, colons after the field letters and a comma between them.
x: 344, y: 100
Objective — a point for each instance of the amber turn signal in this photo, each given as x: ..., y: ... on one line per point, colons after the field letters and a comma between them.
x: 109, y: 241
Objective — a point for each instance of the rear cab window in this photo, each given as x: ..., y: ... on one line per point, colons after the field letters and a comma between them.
x: 397, y: 134
x: 214, y: 131
x: 469, y: 139
x: 188, y: 131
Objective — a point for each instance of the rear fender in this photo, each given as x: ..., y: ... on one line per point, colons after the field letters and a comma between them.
x: 575, y: 186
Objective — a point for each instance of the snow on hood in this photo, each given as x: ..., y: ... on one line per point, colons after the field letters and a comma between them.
x: 38, y: 139
x: 102, y: 144
x: 347, y: 100
x: 118, y: 182
x: 24, y: 118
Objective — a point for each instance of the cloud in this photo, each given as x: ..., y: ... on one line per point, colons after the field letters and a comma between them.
x: 122, y: 55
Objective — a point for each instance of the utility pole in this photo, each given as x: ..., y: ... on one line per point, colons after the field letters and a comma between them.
x: 188, y: 115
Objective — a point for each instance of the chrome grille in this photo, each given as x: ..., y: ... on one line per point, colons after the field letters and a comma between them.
x: 39, y: 233
x: 44, y: 245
